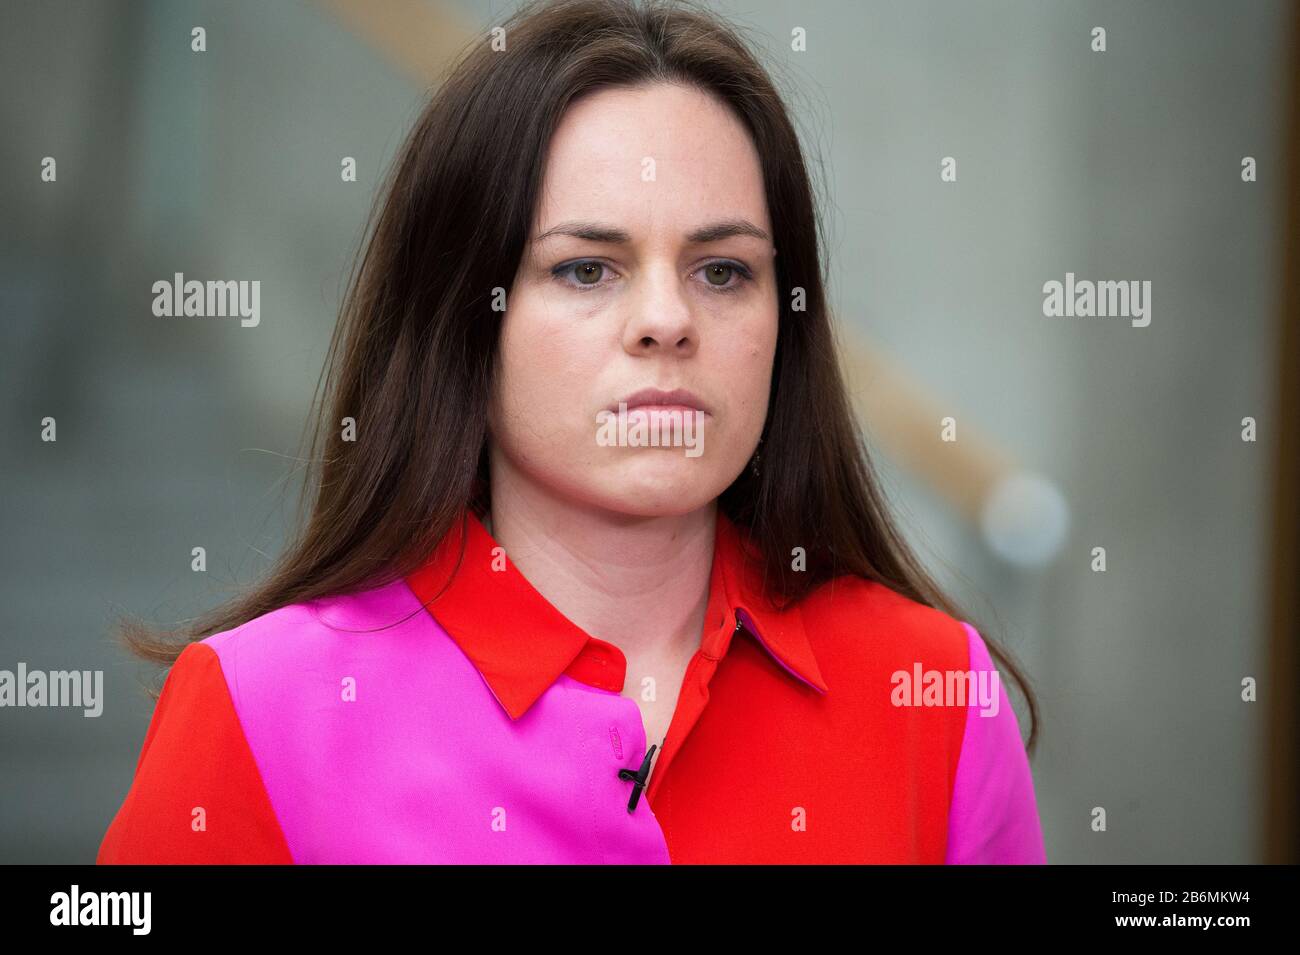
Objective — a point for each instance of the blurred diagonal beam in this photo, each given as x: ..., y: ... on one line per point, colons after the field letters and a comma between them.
x: 905, y: 418
x: 420, y: 37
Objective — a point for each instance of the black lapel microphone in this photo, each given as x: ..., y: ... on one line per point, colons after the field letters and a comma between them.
x: 638, y: 778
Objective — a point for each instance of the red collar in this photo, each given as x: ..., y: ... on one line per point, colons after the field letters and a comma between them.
x: 521, y: 644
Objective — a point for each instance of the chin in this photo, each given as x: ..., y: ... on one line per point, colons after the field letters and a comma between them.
x: 659, y: 488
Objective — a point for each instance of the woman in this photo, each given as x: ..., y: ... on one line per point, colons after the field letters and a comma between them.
x: 515, y: 630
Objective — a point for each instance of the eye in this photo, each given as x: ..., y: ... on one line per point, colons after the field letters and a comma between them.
x: 587, y: 272
x: 725, y: 270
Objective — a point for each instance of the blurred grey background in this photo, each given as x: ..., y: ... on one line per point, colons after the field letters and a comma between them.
x: 1115, y: 165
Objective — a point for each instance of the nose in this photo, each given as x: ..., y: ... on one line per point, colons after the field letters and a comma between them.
x: 662, y: 319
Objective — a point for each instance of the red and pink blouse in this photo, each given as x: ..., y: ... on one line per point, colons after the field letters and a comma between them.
x: 474, y: 723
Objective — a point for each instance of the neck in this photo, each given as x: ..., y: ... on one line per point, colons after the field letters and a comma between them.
x: 640, y: 583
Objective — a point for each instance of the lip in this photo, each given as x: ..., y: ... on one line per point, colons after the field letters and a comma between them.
x: 679, y: 399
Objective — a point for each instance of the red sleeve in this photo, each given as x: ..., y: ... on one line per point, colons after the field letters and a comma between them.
x: 197, y: 796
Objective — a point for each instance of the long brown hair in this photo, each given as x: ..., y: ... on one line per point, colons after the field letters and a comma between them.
x: 415, y: 348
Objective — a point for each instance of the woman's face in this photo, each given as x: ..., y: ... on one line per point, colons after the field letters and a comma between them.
x: 669, y: 284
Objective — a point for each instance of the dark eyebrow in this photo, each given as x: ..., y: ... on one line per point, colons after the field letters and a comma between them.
x: 597, y: 232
